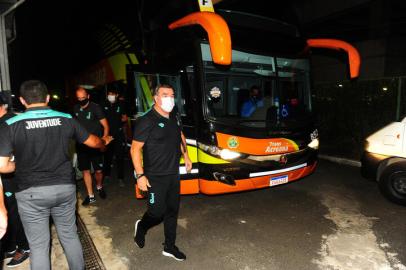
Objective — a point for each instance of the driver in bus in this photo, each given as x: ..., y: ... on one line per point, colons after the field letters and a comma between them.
x: 254, y: 101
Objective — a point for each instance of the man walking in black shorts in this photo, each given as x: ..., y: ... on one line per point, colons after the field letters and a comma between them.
x: 157, y: 145
x: 91, y: 116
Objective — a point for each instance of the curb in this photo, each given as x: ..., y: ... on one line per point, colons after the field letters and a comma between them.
x: 339, y: 160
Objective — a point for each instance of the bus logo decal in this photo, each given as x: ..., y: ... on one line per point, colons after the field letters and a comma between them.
x: 276, y: 147
x: 283, y: 159
x: 232, y: 142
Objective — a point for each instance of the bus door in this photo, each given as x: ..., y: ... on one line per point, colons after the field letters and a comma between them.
x: 144, y: 83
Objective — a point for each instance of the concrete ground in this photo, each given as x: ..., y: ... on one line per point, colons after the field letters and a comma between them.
x: 333, y: 219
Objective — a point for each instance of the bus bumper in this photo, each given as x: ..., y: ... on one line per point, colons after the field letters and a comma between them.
x: 211, y: 187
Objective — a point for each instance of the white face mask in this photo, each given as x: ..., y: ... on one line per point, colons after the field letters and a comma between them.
x: 111, y: 98
x: 167, y: 104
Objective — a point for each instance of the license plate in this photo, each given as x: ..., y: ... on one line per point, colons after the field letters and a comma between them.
x: 278, y: 180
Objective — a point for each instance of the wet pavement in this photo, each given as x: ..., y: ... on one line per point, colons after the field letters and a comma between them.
x: 333, y: 219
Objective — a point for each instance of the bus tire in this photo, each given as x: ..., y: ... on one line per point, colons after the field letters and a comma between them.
x: 392, y: 184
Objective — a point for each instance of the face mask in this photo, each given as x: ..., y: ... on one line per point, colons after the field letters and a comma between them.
x: 167, y: 104
x: 111, y: 98
x: 83, y: 102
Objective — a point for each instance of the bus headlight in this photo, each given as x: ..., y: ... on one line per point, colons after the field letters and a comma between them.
x: 215, y: 151
x: 314, y: 144
x: 228, y: 154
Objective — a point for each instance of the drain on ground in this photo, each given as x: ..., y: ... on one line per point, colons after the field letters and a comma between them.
x: 92, y: 257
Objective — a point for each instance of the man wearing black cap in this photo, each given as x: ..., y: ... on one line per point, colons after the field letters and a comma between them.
x: 15, y: 243
x: 4, y: 112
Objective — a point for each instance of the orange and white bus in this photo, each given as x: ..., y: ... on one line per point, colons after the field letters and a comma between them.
x: 238, y: 138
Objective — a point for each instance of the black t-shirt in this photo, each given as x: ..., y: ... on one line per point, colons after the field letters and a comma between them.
x: 7, y: 178
x: 90, y: 117
x: 114, y: 112
x: 162, y: 139
x: 39, y: 140
x: 7, y: 116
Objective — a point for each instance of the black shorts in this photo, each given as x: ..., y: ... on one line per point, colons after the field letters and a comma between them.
x: 88, y: 157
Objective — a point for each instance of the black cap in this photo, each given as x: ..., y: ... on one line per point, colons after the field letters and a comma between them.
x: 3, y: 98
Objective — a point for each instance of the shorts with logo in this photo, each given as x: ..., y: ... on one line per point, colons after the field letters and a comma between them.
x: 88, y: 157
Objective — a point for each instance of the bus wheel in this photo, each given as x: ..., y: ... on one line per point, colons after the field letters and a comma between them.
x: 392, y: 184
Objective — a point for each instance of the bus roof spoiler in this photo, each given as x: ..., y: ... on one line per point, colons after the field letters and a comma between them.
x: 217, y: 30
x: 354, y: 58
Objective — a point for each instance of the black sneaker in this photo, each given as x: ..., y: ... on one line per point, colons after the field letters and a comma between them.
x: 88, y: 200
x: 139, y: 235
x: 174, y: 252
x: 10, y: 254
x: 102, y: 193
x: 19, y: 257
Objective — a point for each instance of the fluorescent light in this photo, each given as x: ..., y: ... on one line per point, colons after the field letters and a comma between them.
x: 87, y: 86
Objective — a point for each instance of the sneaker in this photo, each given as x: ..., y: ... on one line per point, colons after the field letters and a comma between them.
x: 139, y: 236
x: 10, y: 254
x: 88, y: 200
x: 102, y: 193
x: 174, y: 252
x: 121, y: 183
x: 19, y: 257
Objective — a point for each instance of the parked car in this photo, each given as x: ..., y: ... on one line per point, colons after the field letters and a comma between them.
x: 384, y: 160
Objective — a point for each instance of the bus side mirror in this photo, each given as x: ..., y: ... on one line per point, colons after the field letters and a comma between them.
x: 354, y: 58
x: 217, y: 30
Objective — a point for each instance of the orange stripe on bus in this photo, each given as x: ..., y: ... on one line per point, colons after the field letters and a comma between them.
x: 256, y: 146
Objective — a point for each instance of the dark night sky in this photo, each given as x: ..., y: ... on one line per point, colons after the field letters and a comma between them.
x: 53, y: 37
x: 56, y: 38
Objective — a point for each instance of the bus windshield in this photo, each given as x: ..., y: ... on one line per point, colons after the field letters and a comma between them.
x: 257, y: 90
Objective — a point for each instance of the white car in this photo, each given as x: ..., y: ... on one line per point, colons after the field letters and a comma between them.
x: 384, y: 160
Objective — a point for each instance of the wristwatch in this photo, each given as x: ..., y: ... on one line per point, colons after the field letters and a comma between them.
x: 138, y: 176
